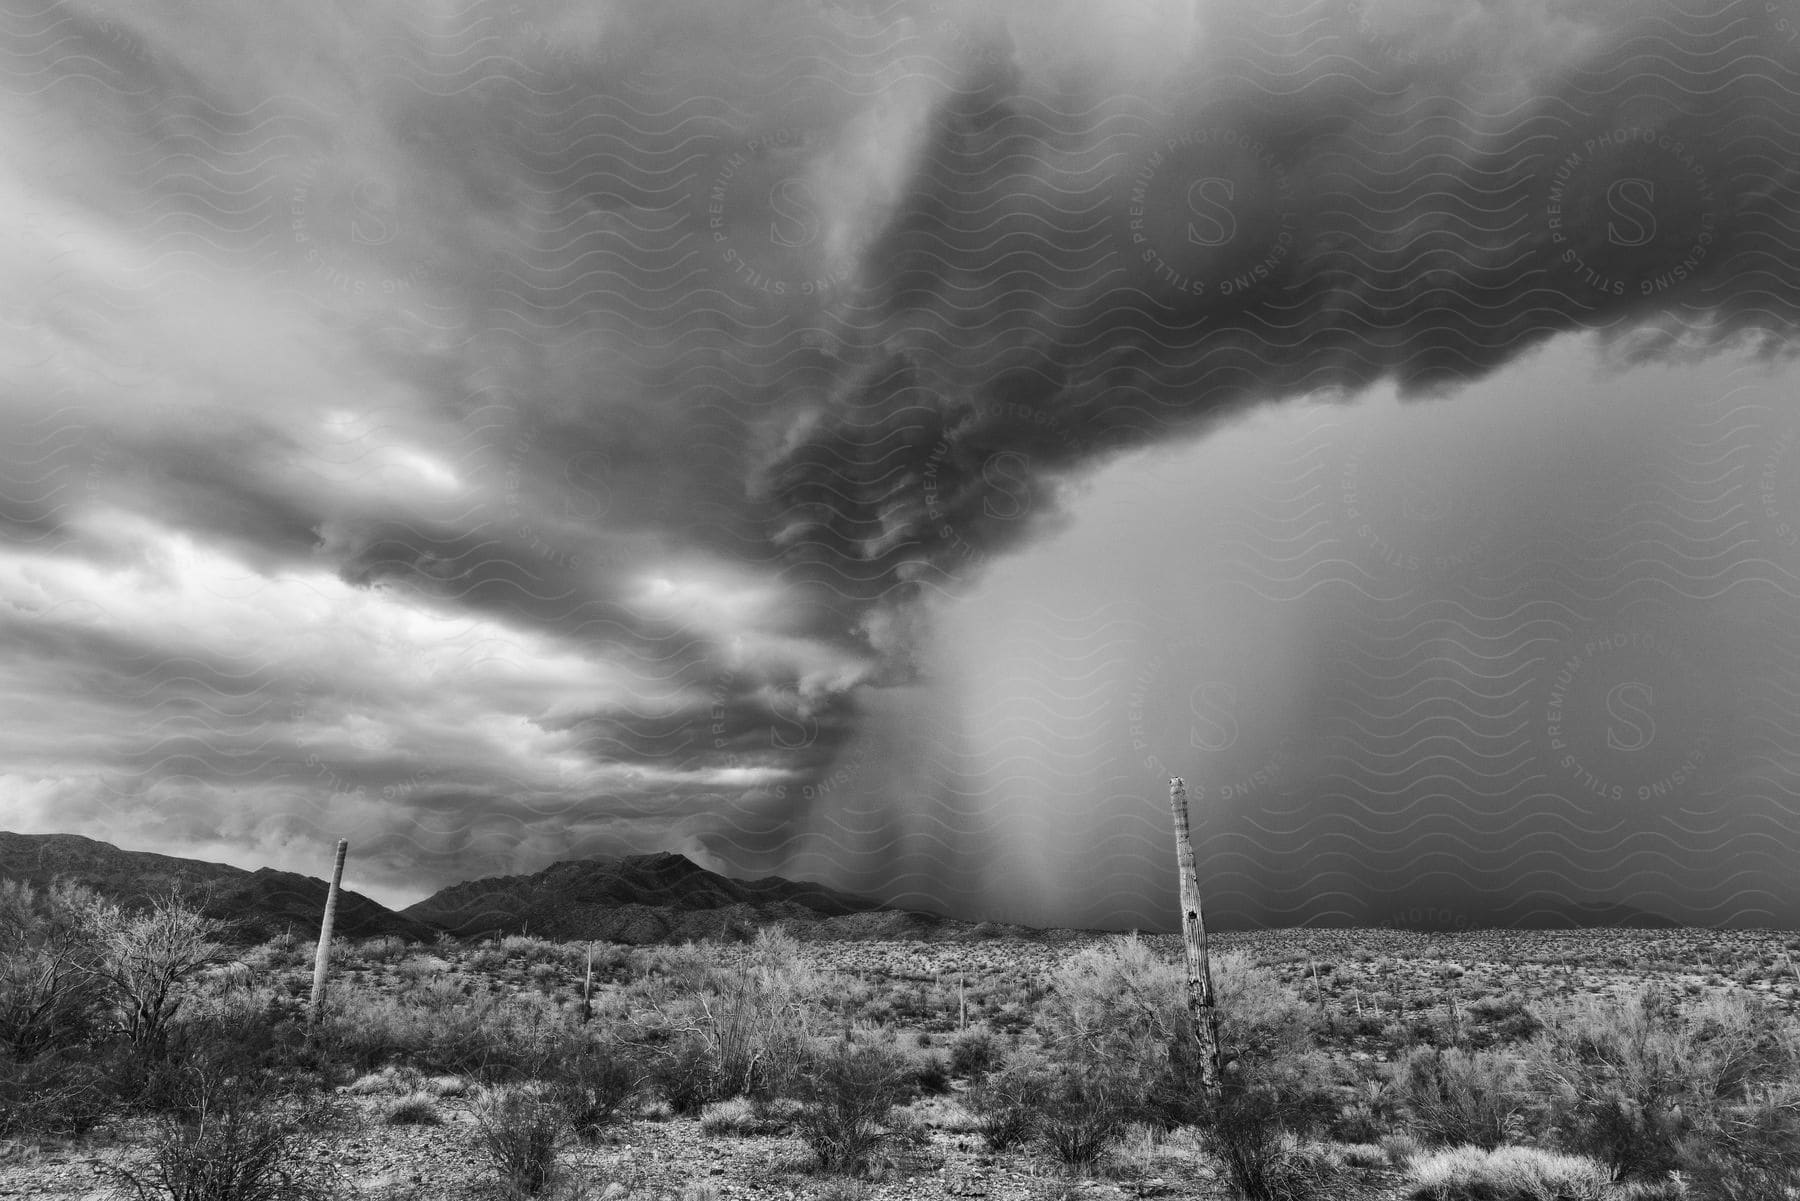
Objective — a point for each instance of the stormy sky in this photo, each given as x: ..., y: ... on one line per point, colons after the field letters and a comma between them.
x: 882, y: 441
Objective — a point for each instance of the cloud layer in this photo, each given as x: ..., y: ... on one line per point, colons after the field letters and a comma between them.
x: 500, y: 432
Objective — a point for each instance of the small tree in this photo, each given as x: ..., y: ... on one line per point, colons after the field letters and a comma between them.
x: 150, y: 959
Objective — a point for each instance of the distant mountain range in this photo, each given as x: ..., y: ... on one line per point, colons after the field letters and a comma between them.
x: 632, y: 899
x: 257, y: 904
x: 654, y: 898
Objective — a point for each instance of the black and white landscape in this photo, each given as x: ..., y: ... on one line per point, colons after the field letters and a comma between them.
x: 874, y: 445
x: 880, y: 443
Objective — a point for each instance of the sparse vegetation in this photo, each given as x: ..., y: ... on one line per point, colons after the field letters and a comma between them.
x: 1084, y: 1112
x: 51, y: 971
x: 1456, y: 1097
x: 1362, y: 1067
x: 521, y: 1129
x: 847, y: 1090
x: 594, y: 1079
x: 415, y: 1109
x: 1650, y: 1084
x: 1005, y: 1102
x: 1508, y: 1174
x: 973, y: 1053
x: 234, y: 1141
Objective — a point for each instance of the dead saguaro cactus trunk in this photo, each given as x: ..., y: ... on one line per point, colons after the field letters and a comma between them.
x: 1202, y: 1004
x: 587, y: 988
x: 322, y: 960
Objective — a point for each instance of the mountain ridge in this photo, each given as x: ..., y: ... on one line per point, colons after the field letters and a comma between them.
x: 660, y: 896
x: 256, y: 904
x: 634, y: 898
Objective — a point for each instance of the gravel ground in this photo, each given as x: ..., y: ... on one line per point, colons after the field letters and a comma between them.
x: 654, y: 1159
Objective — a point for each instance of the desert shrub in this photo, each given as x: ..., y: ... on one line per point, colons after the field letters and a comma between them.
x: 1508, y: 1174
x: 487, y: 959
x: 972, y: 1053
x: 237, y: 1141
x: 437, y: 1030
x: 383, y: 948
x: 1366, y: 1110
x: 684, y: 968
x: 1245, y: 1134
x: 1259, y: 1017
x: 62, y: 1093
x: 739, y: 1029
x: 526, y: 950
x: 1124, y: 1007
x: 1363, y: 1155
x: 433, y: 994
x: 242, y: 1038
x: 1400, y: 1035
x: 544, y: 976
x: 846, y: 1092
x: 686, y: 1074
x: 393, y: 1079
x: 414, y: 1109
x: 1629, y: 1082
x: 931, y: 1076
x: 1457, y: 1097
x: 1506, y: 1016
x: 594, y: 1079
x: 1255, y: 1126
x: 1119, y: 1005
x: 415, y: 971
x: 946, y: 1113
x: 737, y: 1116
x: 1401, y: 1149
x: 1084, y: 1113
x: 907, y: 1130
x: 520, y: 1129
x: 1749, y: 1151
x: 1005, y: 1101
x: 52, y: 990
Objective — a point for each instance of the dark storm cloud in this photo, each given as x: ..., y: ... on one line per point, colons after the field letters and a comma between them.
x: 633, y: 375
x: 1060, y: 282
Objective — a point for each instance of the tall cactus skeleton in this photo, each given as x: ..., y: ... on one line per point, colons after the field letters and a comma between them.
x: 323, y: 958
x: 1202, y: 1003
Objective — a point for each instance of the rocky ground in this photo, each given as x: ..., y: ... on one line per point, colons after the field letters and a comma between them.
x: 662, y: 1157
